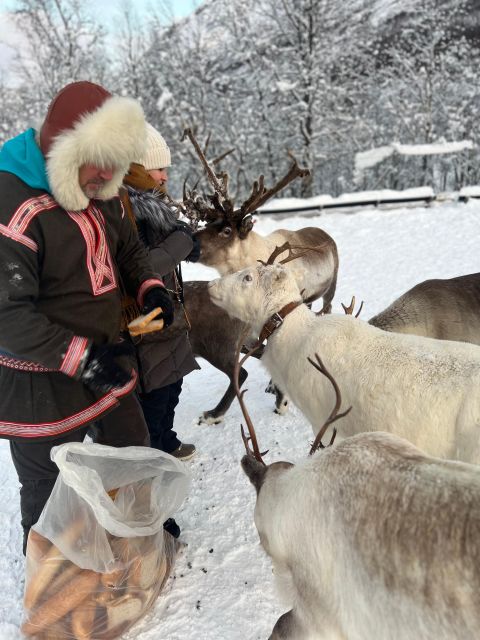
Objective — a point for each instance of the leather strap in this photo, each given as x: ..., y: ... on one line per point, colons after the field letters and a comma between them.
x: 276, y: 320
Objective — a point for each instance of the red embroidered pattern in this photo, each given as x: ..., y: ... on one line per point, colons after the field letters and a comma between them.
x: 145, y: 286
x: 99, y: 260
x: 23, y: 216
x: 26, y: 430
x: 22, y: 365
x: 74, y: 354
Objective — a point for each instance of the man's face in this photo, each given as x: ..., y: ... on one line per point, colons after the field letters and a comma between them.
x: 93, y: 178
x: 159, y: 175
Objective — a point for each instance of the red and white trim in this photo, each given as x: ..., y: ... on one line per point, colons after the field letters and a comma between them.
x: 23, y: 365
x: 99, y: 261
x: 25, y: 213
x: 74, y: 355
x: 145, y: 286
x: 90, y: 414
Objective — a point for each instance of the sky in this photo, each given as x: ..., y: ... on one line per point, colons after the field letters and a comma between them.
x: 222, y: 586
x: 106, y: 11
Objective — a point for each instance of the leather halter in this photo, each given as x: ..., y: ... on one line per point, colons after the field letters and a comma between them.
x: 276, y: 320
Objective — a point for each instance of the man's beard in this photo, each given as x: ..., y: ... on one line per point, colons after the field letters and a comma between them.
x: 92, y: 188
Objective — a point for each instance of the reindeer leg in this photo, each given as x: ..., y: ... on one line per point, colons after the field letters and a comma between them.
x: 328, y: 296
x: 288, y: 627
x: 281, y: 401
x: 215, y: 416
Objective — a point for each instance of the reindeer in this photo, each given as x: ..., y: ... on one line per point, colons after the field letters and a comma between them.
x: 369, y: 564
x: 371, y: 539
x: 442, y: 309
x: 422, y: 389
x: 214, y: 336
x: 228, y: 242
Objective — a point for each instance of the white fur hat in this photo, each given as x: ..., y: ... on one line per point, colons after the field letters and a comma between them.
x: 157, y: 155
x: 85, y: 124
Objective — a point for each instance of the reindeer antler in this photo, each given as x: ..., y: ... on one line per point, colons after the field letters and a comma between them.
x: 260, y: 194
x: 222, y: 202
x: 187, y: 133
x: 255, y: 450
x: 334, y: 415
x: 286, y: 246
x: 349, y: 310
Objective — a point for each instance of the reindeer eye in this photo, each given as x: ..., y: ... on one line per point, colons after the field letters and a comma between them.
x: 226, y: 231
x: 247, y: 278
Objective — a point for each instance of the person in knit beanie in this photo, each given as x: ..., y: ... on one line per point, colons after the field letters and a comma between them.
x: 156, y: 158
x: 66, y: 245
x: 164, y: 357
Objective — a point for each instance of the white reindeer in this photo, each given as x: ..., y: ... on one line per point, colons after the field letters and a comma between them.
x: 375, y: 540
x: 422, y: 389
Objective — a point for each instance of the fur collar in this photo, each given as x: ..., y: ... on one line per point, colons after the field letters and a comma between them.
x: 112, y: 136
x: 154, y: 218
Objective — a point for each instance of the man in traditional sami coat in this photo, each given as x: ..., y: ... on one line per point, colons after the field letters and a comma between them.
x: 67, y: 254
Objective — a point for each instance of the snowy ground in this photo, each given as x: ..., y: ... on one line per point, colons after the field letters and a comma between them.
x: 222, y: 587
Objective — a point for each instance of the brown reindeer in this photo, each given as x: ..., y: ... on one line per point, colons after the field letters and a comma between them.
x: 214, y: 336
x: 228, y: 242
x: 443, y: 309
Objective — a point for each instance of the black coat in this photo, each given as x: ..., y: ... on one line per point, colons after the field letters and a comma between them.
x: 162, y: 361
x: 59, y: 274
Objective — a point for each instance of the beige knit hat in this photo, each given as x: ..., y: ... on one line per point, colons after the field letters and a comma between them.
x: 157, y: 155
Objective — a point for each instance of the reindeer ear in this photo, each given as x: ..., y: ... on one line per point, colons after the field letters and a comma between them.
x: 254, y: 470
x: 245, y: 226
x: 280, y: 273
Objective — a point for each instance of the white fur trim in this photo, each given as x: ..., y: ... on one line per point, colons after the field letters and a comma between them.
x: 111, y: 137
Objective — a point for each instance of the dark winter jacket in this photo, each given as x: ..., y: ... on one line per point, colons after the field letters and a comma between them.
x: 59, y: 275
x: 161, y: 362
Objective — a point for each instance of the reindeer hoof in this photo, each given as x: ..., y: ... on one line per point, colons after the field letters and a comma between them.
x: 208, y: 418
x: 282, y: 408
x: 270, y: 388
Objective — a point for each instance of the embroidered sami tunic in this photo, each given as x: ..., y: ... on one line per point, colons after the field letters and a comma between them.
x: 59, y: 290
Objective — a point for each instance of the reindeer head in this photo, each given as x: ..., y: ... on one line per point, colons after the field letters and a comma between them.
x: 271, y: 481
x: 218, y: 237
x: 255, y: 293
x: 226, y: 224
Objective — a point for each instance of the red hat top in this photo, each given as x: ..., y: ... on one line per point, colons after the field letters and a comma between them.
x: 68, y: 106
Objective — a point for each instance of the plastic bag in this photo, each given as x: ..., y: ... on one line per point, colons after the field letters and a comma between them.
x: 98, y: 556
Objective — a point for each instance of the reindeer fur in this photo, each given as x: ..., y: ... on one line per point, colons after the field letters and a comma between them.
x: 214, y: 336
x: 422, y: 389
x: 443, y: 309
x: 377, y: 540
x: 315, y: 272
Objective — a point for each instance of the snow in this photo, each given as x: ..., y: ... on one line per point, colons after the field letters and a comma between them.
x: 222, y: 587
x: 164, y: 97
x: 367, y: 159
x: 437, y: 148
x: 323, y: 200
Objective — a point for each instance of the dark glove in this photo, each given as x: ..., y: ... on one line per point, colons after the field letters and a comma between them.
x: 194, y: 254
x: 184, y: 228
x: 159, y: 297
x: 101, y: 372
